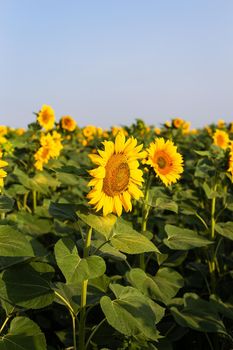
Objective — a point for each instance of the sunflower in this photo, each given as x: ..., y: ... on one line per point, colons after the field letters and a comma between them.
x: 177, y: 122
x: 117, y: 178
x: 68, y: 123
x: 221, y: 139
x: 221, y: 123
x: 231, y: 161
x: 46, y: 117
x: 165, y: 160
x: 3, y: 173
x: 51, y: 147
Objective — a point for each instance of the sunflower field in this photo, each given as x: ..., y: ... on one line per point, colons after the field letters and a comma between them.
x: 116, y: 239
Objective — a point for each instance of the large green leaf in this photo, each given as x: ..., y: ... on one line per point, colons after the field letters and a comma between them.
x: 183, y: 239
x: 198, y: 314
x: 6, y: 204
x: 28, y: 285
x: 63, y: 211
x: 32, y: 224
x: 73, y: 267
x: 14, y: 247
x: 23, y: 334
x: 41, y: 182
x: 103, y: 225
x: 162, y: 287
x: 129, y: 241
x: 224, y: 308
x: 225, y: 229
x: 130, y: 313
x: 161, y: 202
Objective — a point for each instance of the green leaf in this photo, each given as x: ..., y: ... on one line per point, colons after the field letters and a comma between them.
x: 32, y: 224
x: 6, y: 204
x: 130, y: 313
x: 28, y: 285
x: 103, y: 225
x: 162, y: 203
x: 183, y: 239
x: 225, y: 229
x: 105, y: 249
x: 226, y: 309
x: 69, y: 292
x: 70, y: 169
x: 198, y: 314
x: 14, y: 247
x: 23, y: 334
x: 75, y: 269
x: 162, y: 287
x: 203, y: 153
x: 129, y: 241
x: 63, y: 211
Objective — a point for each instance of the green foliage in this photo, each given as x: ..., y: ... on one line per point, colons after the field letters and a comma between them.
x: 23, y: 334
x: 158, y: 277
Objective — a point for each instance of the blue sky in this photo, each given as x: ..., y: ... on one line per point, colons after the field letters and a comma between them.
x: 107, y: 62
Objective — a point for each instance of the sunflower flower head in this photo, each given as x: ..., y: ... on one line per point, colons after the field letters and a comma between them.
x: 3, y: 173
x: 166, y: 161
x: 68, y: 123
x: 230, y: 162
x: 177, y: 122
x: 46, y: 117
x: 221, y: 139
x: 117, y: 179
x: 221, y: 124
x: 51, y: 147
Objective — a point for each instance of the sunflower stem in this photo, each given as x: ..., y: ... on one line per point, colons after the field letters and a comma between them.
x: 84, y: 295
x: 212, y: 263
x: 34, y: 203
x: 145, y: 214
x: 73, y: 316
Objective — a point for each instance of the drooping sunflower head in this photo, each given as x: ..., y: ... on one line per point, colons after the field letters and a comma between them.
x: 221, y: 139
x: 166, y: 161
x: 117, y: 179
x: 46, y: 117
x: 68, y: 123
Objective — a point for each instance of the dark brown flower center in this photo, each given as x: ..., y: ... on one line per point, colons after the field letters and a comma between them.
x: 117, y: 175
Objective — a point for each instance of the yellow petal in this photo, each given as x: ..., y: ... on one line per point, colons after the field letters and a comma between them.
x: 117, y: 205
x: 119, y: 142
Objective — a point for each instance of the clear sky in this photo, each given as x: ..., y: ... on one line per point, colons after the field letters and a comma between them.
x: 107, y: 62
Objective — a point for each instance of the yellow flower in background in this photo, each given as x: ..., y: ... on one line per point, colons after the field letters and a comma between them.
x: 46, y: 117
x: 20, y: 131
x: 68, y: 123
x: 117, y: 178
x: 89, y: 131
x: 116, y: 129
x: 3, y: 130
x: 186, y: 128
x: 157, y: 131
x: 177, y: 122
x: 168, y: 124
x: 2, y: 140
x: 3, y: 173
x: 221, y: 139
x: 221, y: 124
x: 231, y: 127
x: 51, y: 147
x: 166, y: 161
x: 230, y: 163
x: 209, y: 130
